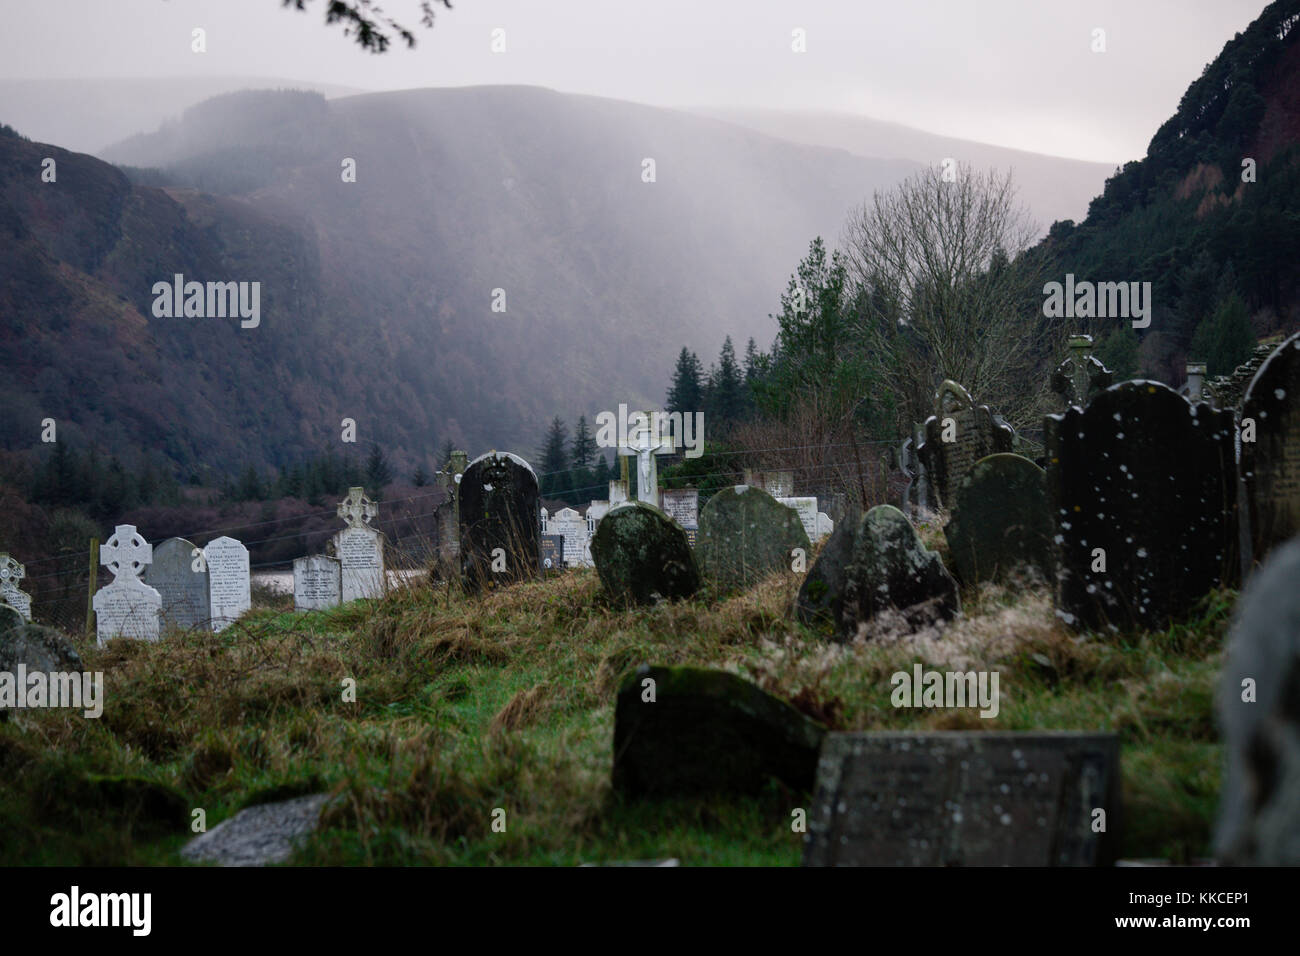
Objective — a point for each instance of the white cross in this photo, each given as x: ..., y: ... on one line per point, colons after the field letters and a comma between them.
x: 11, y: 572
x: 645, y: 446
x: 356, y: 509
x: 126, y: 552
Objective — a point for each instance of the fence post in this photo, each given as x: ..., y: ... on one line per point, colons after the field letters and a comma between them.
x: 90, y: 592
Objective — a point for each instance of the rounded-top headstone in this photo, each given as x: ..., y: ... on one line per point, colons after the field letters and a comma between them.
x: 746, y: 534
x: 1270, y: 464
x: 500, y: 530
x: 1001, y: 520
x: 642, y: 556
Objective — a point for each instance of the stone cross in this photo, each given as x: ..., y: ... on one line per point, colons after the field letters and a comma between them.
x: 11, y: 572
x: 126, y: 552
x: 645, y: 447
x: 1081, y: 375
x: 356, y: 509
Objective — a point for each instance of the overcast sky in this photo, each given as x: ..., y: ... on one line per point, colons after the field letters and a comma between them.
x: 1018, y: 73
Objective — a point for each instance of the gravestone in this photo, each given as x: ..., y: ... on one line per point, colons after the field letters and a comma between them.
x: 317, y: 583
x: 552, y: 552
x: 1001, y: 521
x: 127, y: 607
x: 499, y: 527
x: 825, y: 526
x: 179, y: 573
x: 681, y: 731
x: 1259, y: 687
x: 37, y: 648
x: 958, y: 435
x: 746, y: 534
x: 959, y: 798
x: 228, y: 575
x: 359, y: 548
x: 1081, y: 375
x: 916, y: 496
x: 874, y: 566
x: 815, y: 523
x: 573, y: 528
x: 11, y: 572
x: 10, y: 618
x: 1270, y: 465
x: 683, y: 506
x: 447, y: 514
x: 642, y: 556
x: 778, y: 484
x: 1142, y: 489
x: 645, y: 446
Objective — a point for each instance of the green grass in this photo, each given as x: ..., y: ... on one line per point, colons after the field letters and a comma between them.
x: 469, y: 705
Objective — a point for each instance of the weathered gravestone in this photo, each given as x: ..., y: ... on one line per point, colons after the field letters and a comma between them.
x: 957, y: 798
x: 359, y: 548
x: 128, y: 607
x: 816, y: 524
x: 958, y: 435
x: 577, y: 543
x: 27, y: 649
x: 447, y: 515
x: 746, y: 534
x: 1001, y: 521
x: 499, y: 526
x: 228, y: 576
x: 1270, y: 465
x: 180, y: 575
x: 1142, y: 488
x: 916, y: 496
x: 11, y: 572
x: 778, y: 484
x: 317, y: 583
x: 1259, y: 713
x: 683, y: 506
x: 873, y: 566
x: 642, y: 556
x: 1081, y: 375
x: 681, y: 731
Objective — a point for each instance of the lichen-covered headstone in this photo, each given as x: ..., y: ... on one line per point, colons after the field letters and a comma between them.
x: 127, y: 607
x: 499, y: 521
x: 1258, y: 698
x: 681, y: 731
x: 1081, y: 375
x: 11, y: 572
x: 642, y: 556
x: 1000, y: 521
x: 875, y: 565
x: 317, y: 583
x: 1142, y: 487
x: 180, y: 574
x: 360, y: 549
x: 958, y: 435
x: 1270, y: 464
x: 746, y: 534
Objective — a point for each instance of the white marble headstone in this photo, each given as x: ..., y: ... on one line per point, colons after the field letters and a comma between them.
x: 229, y: 581
x: 577, y: 542
x: 360, y: 549
x: 128, y: 607
x: 11, y: 572
x: 806, y: 508
x: 317, y: 583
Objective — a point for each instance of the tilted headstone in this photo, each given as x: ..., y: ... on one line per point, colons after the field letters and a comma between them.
x: 1270, y: 465
x: 317, y: 583
x: 11, y: 572
x: 499, y: 526
x: 127, y: 607
x: 960, y: 798
x: 1142, y: 488
x: 573, y: 528
x: 873, y: 566
x: 642, y: 555
x: 778, y: 484
x: 228, y: 575
x: 688, y: 731
x: 813, y: 521
x: 1081, y: 375
x: 958, y: 435
x: 179, y: 573
x: 746, y: 534
x: 359, y: 548
x: 1259, y: 813
x: 1001, y: 521
x: 552, y: 552
x: 683, y: 506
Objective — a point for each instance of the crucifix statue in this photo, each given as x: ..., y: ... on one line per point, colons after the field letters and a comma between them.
x: 356, y: 509
x: 645, y: 446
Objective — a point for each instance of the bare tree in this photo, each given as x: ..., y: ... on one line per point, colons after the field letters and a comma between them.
x: 941, y: 259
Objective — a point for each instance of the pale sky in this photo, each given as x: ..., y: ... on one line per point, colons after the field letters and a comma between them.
x: 1017, y: 73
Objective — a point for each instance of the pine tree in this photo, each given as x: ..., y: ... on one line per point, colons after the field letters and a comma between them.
x: 1118, y: 351
x: 378, y: 473
x: 553, y: 458
x: 1225, y: 338
x: 726, y: 391
x: 584, y: 444
x: 686, y: 394
x: 420, y: 478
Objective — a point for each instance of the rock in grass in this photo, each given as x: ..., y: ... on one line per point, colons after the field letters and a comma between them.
x: 642, y: 556
x: 10, y: 618
x: 257, y: 836
x: 39, y: 647
x: 746, y: 534
x: 696, y: 731
x: 1001, y: 520
x: 875, y: 566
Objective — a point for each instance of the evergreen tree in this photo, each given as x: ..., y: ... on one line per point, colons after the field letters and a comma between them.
x: 584, y: 444
x: 1225, y: 339
x: 553, y: 459
x: 686, y: 394
x: 445, y: 458
x: 726, y: 392
x: 420, y: 478
x: 378, y: 473
x: 1118, y: 351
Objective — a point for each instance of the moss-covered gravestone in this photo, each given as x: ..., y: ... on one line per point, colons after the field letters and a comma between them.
x: 1001, y: 520
x: 1270, y: 463
x: 746, y: 534
x: 37, y: 647
x: 874, y: 565
x: 682, y: 731
x: 642, y: 556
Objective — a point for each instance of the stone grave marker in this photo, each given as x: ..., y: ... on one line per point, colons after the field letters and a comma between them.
x: 962, y: 798
x: 1270, y: 465
x: 683, y: 506
x: 359, y: 548
x: 812, y: 520
x: 317, y: 582
x: 127, y: 607
x: 573, y: 528
x: 552, y: 552
x: 778, y: 484
x: 1259, y: 813
x: 825, y: 526
x: 645, y: 446
x: 447, y: 514
x: 180, y: 575
x: 746, y: 534
x: 1142, y: 489
x: 1001, y: 521
x: 499, y: 526
x: 228, y: 575
x: 11, y: 572
x: 642, y: 556
x: 1081, y: 375
x: 958, y: 435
